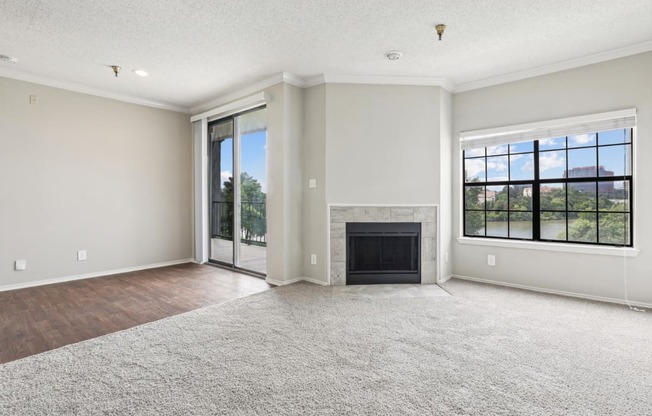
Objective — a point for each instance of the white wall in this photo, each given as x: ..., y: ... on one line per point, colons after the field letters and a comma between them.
x: 284, y: 179
x: 382, y: 144
x: 314, y: 199
x: 446, y: 186
x: 295, y: 183
x: 607, y: 86
x: 83, y: 172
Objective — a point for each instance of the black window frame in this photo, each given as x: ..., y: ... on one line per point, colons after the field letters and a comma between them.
x: 536, y: 183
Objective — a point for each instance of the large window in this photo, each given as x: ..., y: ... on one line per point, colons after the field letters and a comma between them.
x: 573, y: 189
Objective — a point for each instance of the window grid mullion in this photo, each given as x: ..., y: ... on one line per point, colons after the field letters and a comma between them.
x: 567, y: 182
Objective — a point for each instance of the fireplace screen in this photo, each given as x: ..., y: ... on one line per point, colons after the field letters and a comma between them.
x: 383, y: 253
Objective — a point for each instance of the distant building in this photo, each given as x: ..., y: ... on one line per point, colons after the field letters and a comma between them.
x: 489, y: 196
x: 527, y: 192
x: 590, y: 172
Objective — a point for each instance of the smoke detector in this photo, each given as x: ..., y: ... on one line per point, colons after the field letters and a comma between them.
x: 8, y: 59
x: 393, y: 55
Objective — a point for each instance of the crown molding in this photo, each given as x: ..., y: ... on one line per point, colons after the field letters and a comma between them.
x: 84, y: 89
x: 557, y: 67
x: 389, y: 80
x: 314, y: 80
x: 307, y: 82
x: 295, y: 80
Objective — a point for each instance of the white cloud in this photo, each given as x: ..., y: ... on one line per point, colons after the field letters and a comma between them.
x: 514, y: 158
x: 497, y: 166
x: 497, y: 178
x: 497, y: 150
x: 550, y: 161
x: 224, y: 176
x: 582, y: 139
x: 474, y: 152
x: 474, y: 168
x: 557, y: 142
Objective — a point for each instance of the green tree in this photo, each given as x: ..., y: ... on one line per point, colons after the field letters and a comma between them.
x: 473, y: 220
x: 612, y: 228
x: 252, y: 208
x: 583, y: 229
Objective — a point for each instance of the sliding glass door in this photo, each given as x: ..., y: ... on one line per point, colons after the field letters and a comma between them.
x: 238, y: 187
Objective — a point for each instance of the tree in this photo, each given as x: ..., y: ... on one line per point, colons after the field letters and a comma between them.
x: 252, y: 208
x: 474, y: 220
x: 253, y: 214
x: 612, y: 228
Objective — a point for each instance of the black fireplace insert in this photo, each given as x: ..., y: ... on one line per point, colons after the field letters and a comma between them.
x: 378, y: 253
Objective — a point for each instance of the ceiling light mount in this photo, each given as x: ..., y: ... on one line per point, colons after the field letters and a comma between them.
x: 8, y: 59
x: 440, y: 30
x: 393, y: 55
x: 116, y: 70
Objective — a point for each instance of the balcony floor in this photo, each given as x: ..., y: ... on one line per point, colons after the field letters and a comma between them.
x: 252, y: 257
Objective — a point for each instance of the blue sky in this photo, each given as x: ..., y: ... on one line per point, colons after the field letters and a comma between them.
x: 254, y: 160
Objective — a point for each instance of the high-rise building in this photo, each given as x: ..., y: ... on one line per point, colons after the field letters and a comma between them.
x: 590, y: 172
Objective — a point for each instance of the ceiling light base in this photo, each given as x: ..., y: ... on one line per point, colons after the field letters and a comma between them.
x: 393, y: 55
x: 440, y: 30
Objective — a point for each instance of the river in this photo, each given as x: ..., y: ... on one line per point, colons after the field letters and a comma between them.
x: 523, y: 229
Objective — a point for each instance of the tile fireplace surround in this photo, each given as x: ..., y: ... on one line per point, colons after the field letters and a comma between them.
x: 424, y: 214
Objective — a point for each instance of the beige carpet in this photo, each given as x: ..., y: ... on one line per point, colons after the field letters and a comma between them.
x: 304, y: 349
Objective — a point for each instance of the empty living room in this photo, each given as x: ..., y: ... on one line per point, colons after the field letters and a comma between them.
x: 325, y: 207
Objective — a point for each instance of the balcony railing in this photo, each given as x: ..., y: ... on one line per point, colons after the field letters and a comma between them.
x: 253, y: 221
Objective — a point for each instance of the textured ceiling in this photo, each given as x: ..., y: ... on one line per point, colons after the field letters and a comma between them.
x: 197, y: 49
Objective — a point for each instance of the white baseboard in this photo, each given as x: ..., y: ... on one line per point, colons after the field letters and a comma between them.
x: 315, y: 281
x: 555, y: 292
x: 298, y: 279
x: 92, y: 275
x: 445, y: 279
x: 282, y: 282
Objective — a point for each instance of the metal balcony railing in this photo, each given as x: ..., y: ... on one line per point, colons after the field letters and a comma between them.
x: 253, y: 221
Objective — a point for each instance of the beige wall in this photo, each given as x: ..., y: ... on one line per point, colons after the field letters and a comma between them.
x: 446, y: 228
x: 382, y: 144
x: 613, y: 85
x: 82, y: 172
x: 366, y: 144
x: 294, y: 181
x: 284, y: 178
x: 314, y: 200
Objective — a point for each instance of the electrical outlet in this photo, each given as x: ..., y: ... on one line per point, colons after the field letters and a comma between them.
x: 81, y: 255
x: 313, y: 259
x: 491, y: 260
x: 20, y: 265
x: 312, y: 183
x: 33, y: 99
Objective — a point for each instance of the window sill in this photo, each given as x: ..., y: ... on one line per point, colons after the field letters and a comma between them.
x: 566, y: 248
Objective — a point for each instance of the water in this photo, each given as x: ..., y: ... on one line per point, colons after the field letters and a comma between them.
x: 550, y: 230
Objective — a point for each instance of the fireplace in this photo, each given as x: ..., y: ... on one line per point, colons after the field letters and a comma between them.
x: 424, y: 216
x: 379, y: 253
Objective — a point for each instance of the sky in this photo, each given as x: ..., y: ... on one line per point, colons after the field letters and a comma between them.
x: 552, y: 157
x: 253, y: 152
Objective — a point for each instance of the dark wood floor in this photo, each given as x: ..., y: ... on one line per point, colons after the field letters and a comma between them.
x: 42, y: 318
